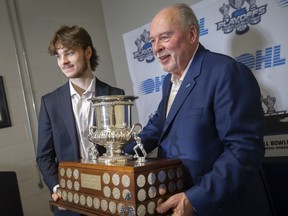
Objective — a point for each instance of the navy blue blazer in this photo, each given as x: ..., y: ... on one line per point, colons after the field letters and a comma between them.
x: 215, y: 127
x: 57, y: 133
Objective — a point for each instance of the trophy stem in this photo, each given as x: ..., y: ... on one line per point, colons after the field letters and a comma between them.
x: 113, y: 155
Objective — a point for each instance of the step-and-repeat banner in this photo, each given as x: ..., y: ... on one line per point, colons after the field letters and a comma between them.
x: 254, y: 32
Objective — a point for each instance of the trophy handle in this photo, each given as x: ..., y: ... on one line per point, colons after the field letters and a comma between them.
x: 133, y: 129
x: 92, y: 129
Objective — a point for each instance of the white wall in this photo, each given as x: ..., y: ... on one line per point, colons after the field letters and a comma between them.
x: 26, y: 83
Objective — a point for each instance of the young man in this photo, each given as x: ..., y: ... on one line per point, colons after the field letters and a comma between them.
x: 66, y: 114
x: 211, y: 118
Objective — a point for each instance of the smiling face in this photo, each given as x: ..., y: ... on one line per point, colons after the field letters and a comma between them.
x: 73, y: 62
x: 173, y: 43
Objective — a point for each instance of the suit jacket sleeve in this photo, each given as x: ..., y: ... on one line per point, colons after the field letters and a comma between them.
x: 46, y: 156
x: 238, y: 120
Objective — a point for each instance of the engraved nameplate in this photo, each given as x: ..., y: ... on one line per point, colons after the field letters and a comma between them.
x: 91, y: 181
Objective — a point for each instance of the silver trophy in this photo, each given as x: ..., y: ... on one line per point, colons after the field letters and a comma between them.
x: 114, y: 128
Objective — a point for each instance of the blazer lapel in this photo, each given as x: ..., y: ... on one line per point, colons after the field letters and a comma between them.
x: 65, y: 103
x: 166, y: 91
x: 101, y: 88
x: 186, y: 86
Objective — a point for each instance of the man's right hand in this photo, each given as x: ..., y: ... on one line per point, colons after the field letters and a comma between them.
x: 55, y: 197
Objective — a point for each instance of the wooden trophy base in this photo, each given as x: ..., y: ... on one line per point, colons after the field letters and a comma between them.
x: 127, y: 188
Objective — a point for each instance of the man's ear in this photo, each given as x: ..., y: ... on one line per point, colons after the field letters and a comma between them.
x: 193, y: 34
x: 88, y: 52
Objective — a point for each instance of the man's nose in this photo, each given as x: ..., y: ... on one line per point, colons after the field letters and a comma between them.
x: 157, y: 47
x: 63, y: 59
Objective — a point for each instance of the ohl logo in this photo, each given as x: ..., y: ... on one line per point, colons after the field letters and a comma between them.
x: 144, y: 51
x: 240, y: 18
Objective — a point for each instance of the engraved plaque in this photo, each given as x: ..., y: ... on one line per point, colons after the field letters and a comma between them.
x: 96, y: 203
x: 141, y: 181
x: 76, y: 174
x: 171, y: 187
x: 70, y: 197
x: 116, y: 179
x: 107, y: 191
x: 141, y: 211
x: 62, y: 183
x: 151, y: 178
x: 106, y: 178
x: 151, y: 207
x: 112, y: 207
x: 69, y: 173
x: 76, y: 198
x: 121, y: 209
x: 126, y: 195
x: 125, y: 180
x: 82, y: 199
x: 141, y: 195
x: 76, y: 186
x: 69, y: 184
x: 91, y: 181
x: 162, y: 176
x: 171, y: 174
x: 116, y: 193
x: 152, y: 192
x: 180, y: 184
x: 89, y: 201
x: 62, y: 171
x: 179, y: 172
x: 104, y: 205
x: 64, y: 195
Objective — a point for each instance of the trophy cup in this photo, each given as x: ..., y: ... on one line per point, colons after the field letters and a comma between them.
x: 114, y: 128
x: 116, y: 183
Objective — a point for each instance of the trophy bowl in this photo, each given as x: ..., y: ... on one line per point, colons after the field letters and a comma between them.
x: 114, y: 127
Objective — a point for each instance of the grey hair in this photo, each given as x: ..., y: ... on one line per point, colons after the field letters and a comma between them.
x: 187, y: 16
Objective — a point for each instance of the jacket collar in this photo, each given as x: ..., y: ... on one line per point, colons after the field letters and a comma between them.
x: 186, y: 87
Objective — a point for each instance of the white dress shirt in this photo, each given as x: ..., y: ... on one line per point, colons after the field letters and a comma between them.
x: 176, y: 83
x: 84, y: 114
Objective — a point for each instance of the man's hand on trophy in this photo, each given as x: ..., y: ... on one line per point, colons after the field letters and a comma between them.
x: 56, y: 196
x: 179, y: 204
